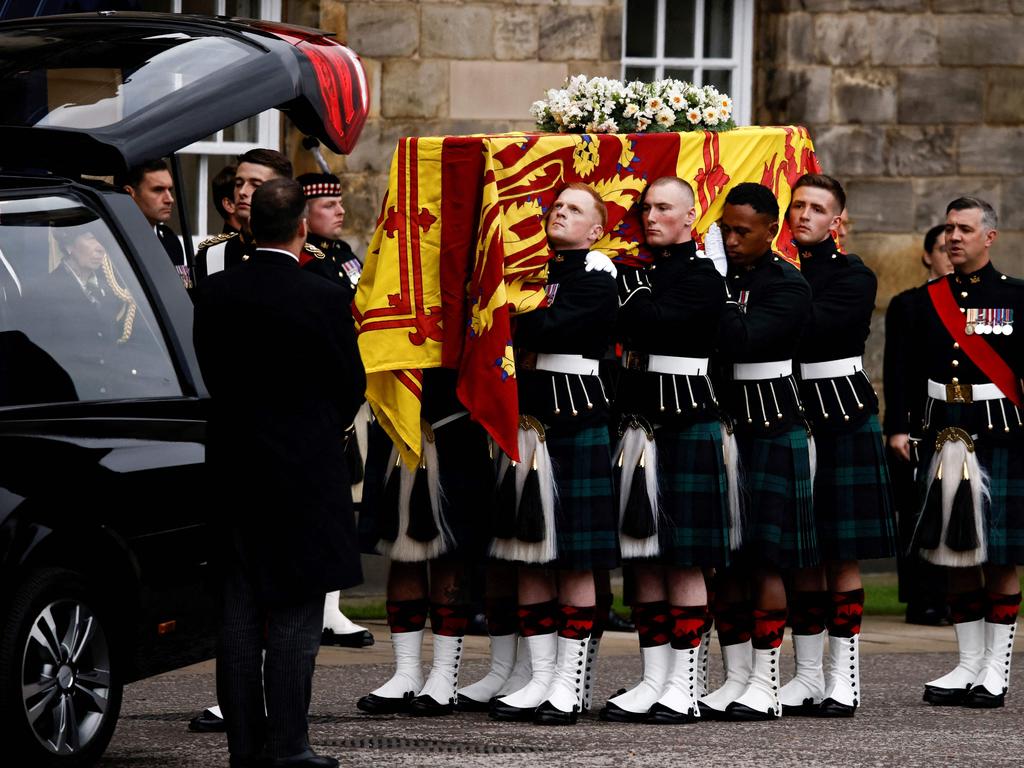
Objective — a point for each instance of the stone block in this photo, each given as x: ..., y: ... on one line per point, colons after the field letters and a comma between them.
x: 374, y: 73
x: 889, y: 5
x: 414, y: 88
x: 798, y: 95
x: 457, y: 31
x: 814, y: 6
x: 799, y: 39
x: 1017, y: 6
x: 931, y: 196
x: 880, y: 206
x: 611, y: 35
x: 1004, y: 100
x: 842, y: 40
x: 864, y: 95
x: 334, y: 18
x: 940, y: 95
x: 501, y: 90
x: 516, y: 33
x: 850, y: 151
x: 992, y: 150
x: 570, y: 33
x: 1007, y: 253
x: 920, y: 151
x: 1012, y: 217
x: 383, y: 29
x: 970, y: 6
x: 364, y: 193
x: 981, y: 40
x: 894, y: 258
x: 905, y: 40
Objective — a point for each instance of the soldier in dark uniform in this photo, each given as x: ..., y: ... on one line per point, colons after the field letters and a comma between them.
x: 563, y: 444
x: 758, y: 340
x: 852, y: 499
x: 673, y: 492
x: 329, y: 256
x: 152, y: 188
x: 971, y: 453
x: 230, y: 249
x: 922, y: 586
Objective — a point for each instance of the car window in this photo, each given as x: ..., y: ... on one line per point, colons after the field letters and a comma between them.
x: 74, y: 321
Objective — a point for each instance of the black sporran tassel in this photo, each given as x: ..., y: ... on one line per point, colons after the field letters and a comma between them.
x: 353, y: 459
x: 422, y: 527
x: 929, y: 529
x: 530, y: 526
x: 505, y: 505
x: 638, y: 518
x: 387, y: 519
x: 962, y: 533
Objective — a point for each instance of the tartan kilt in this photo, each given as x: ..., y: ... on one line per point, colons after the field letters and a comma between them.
x: 779, y: 527
x: 694, y: 495
x: 853, y: 503
x: 585, y: 515
x: 466, y: 473
x: 1002, y: 457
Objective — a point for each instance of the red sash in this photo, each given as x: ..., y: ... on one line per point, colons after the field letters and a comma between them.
x: 974, y: 346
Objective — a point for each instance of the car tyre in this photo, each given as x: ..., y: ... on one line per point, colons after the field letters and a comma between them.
x: 60, y: 686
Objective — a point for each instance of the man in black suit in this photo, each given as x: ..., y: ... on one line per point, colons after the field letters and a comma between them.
x: 282, y: 393
x: 152, y: 188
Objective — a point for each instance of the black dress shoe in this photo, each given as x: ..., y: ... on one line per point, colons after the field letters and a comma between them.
x: 466, y: 704
x: 361, y: 639
x: 548, y: 714
x: 832, y: 708
x: 426, y: 706
x: 618, y: 623
x: 306, y: 761
x: 742, y: 713
x: 372, y: 704
x: 707, y: 713
x: 806, y: 709
x: 945, y: 697
x: 613, y: 713
x: 979, y: 698
x: 502, y: 711
x: 207, y: 722
x: 662, y: 715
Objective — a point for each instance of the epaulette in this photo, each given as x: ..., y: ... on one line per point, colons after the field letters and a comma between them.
x: 317, y: 253
x: 222, y: 237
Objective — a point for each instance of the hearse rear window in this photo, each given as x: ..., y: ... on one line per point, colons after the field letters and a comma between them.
x: 84, y: 77
x: 74, y: 321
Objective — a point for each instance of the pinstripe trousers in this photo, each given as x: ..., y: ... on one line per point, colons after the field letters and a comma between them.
x: 290, y: 635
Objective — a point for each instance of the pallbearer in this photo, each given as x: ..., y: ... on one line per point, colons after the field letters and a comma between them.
x: 555, y: 514
x: 673, y: 457
x: 852, y: 499
x: 758, y: 339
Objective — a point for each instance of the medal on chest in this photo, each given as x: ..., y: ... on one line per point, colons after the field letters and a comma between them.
x: 743, y: 299
x: 549, y: 294
x: 988, y: 320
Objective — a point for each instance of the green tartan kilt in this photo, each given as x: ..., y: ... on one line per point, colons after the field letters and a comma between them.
x: 779, y: 526
x: 585, y: 517
x: 853, y: 502
x: 693, y: 490
x: 1002, y: 457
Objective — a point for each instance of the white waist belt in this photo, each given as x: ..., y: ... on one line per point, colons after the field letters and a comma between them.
x: 755, y: 371
x: 669, y: 364
x: 831, y: 369
x: 576, y: 365
x: 947, y: 393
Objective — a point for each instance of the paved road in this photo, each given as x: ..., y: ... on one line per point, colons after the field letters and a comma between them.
x: 893, y: 727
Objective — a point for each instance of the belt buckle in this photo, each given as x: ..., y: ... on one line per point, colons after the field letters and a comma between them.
x: 959, y: 393
x: 634, y: 361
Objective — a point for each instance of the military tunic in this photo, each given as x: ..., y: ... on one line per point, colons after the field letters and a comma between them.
x: 762, y: 325
x: 338, y: 263
x: 852, y: 496
x: 659, y: 324
x: 222, y: 252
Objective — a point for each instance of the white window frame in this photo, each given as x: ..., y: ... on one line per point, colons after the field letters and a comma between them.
x: 741, y: 63
x: 268, y: 134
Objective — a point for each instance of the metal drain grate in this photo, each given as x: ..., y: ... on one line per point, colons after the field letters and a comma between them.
x: 431, y: 745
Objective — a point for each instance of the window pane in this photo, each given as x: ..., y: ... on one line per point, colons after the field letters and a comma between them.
x: 720, y: 78
x: 646, y: 74
x: 247, y: 131
x: 641, y: 28
x: 247, y: 9
x: 679, y: 37
x: 80, y: 328
x: 718, y: 29
x: 679, y: 74
x: 205, y: 7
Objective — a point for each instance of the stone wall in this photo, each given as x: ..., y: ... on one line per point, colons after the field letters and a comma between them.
x: 911, y: 103
x: 440, y: 67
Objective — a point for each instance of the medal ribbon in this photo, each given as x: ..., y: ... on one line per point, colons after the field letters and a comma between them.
x: 974, y: 346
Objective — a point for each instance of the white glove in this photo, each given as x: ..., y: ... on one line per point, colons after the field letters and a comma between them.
x: 598, y: 261
x: 714, y: 249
